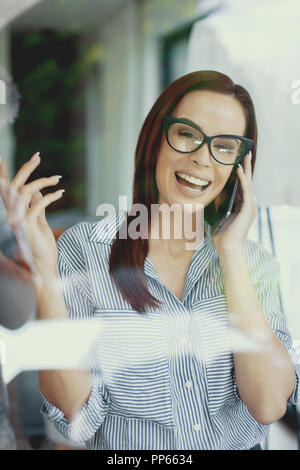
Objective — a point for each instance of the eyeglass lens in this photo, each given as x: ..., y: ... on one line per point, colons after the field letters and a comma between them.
x: 185, y: 138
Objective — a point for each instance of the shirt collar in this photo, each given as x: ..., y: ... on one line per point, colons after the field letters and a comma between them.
x: 201, y: 258
x: 105, y: 231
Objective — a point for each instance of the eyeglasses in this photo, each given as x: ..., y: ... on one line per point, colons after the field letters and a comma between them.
x: 186, y: 137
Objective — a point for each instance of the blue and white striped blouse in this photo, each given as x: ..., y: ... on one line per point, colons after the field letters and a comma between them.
x: 182, y: 393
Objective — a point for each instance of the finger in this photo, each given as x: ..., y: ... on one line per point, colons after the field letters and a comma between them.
x: 247, y: 170
x: 35, y: 186
x: 248, y: 167
x: 250, y: 175
x: 3, y: 170
x: 11, y: 198
x: 25, y: 171
x: 244, y: 183
x: 248, y: 193
x: 38, y: 206
x: 36, y: 197
x: 247, y: 164
x: 4, y: 190
x: 15, y: 204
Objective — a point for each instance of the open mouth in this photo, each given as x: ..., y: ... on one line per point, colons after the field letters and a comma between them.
x: 197, y: 187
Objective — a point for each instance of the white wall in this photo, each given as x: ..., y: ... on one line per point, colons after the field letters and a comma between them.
x: 129, y: 81
x: 257, y: 44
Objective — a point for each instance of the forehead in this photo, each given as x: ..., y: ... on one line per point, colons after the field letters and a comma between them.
x: 213, y: 112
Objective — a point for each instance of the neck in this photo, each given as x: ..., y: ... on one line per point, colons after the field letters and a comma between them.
x: 176, y: 231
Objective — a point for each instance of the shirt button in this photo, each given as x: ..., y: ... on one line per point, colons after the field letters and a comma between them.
x: 197, y: 427
x: 188, y: 384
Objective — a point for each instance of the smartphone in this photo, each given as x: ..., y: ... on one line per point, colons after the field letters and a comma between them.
x: 219, y: 224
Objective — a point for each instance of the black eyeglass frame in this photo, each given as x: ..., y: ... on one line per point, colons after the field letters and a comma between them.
x: 169, y: 120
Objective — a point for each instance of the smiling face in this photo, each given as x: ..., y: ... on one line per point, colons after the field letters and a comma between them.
x: 215, y: 114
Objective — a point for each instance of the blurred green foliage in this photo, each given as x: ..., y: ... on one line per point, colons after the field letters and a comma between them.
x: 49, y: 73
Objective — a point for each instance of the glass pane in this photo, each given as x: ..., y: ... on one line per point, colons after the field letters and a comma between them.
x: 227, y: 149
x: 184, y: 137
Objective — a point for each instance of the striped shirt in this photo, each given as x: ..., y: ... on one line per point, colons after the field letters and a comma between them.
x: 173, y: 384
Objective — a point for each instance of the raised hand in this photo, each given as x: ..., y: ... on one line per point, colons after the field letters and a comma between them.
x: 233, y: 233
x: 30, y: 214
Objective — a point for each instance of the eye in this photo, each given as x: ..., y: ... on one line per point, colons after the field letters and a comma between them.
x: 186, y: 134
x: 224, y: 148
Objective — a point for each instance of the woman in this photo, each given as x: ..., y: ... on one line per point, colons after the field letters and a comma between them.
x: 184, y: 393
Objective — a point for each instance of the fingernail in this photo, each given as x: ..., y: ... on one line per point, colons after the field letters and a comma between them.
x: 35, y: 157
x: 56, y: 177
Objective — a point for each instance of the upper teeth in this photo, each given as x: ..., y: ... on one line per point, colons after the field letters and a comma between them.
x: 193, y: 180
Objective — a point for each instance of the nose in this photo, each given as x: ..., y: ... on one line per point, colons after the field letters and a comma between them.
x: 202, y: 155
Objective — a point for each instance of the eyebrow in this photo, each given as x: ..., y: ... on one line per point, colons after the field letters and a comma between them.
x: 191, y: 122
x: 195, y: 124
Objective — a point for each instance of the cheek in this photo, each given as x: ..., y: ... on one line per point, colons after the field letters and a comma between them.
x: 223, y: 174
x: 164, y: 168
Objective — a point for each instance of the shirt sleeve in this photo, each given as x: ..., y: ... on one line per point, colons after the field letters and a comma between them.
x: 79, y: 306
x: 265, y: 273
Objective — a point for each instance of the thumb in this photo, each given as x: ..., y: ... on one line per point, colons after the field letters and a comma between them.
x: 37, y: 196
x: 3, y: 169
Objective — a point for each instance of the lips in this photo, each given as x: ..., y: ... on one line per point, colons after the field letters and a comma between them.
x: 194, y: 174
x: 188, y: 184
x: 189, y: 192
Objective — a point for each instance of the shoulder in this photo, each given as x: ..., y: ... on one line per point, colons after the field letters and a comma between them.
x: 72, y: 247
x: 84, y: 233
x: 75, y: 236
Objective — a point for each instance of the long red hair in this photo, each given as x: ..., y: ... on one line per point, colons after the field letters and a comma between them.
x: 128, y: 255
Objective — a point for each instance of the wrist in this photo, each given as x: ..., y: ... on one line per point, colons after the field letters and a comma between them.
x: 231, y: 252
x: 49, y: 295
x: 232, y: 261
x: 46, y: 270
x: 43, y: 276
